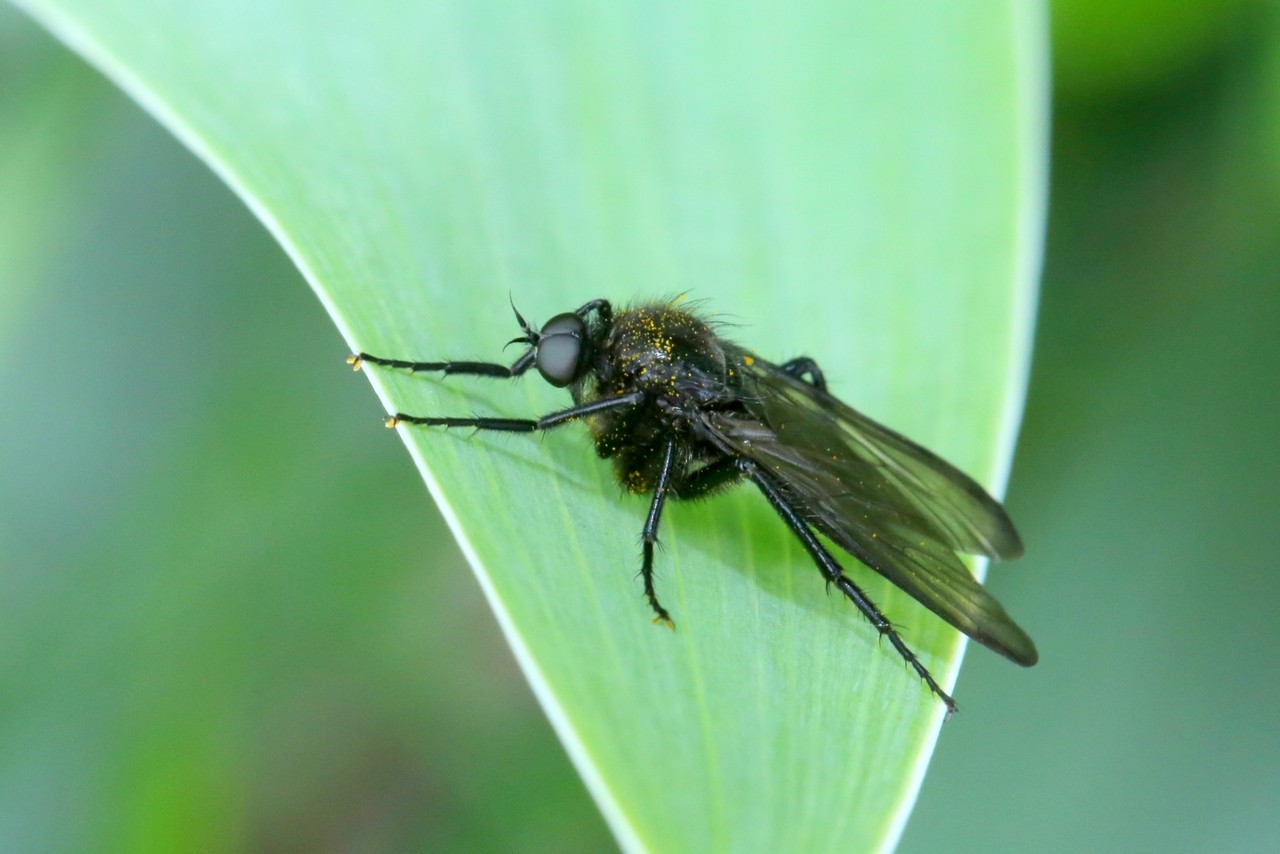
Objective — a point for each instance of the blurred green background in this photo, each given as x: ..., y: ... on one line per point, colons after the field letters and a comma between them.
x: 231, y: 618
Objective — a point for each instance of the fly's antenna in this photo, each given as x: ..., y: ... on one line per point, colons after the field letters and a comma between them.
x: 530, y: 335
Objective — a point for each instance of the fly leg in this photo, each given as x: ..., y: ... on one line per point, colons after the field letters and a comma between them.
x: 649, y: 537
x: 475, y: 369
x: 601, y: 308
x: 804, y: 365
x: 832, y: 571
x: 707, y: 480
x: 522, y: 425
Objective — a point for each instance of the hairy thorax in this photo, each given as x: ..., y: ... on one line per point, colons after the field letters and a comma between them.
x: 665, y: 352
x: 679, y: 364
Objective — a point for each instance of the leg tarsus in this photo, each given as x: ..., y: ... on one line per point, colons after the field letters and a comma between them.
x: 886, y: 630
x: 475, y: 369
x: 660, y: 615
x: 505, y: 425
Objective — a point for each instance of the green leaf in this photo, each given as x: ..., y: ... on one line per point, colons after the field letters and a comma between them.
x: 857, y: 182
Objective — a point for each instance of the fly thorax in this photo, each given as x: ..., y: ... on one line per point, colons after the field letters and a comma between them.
x: 666, y: 353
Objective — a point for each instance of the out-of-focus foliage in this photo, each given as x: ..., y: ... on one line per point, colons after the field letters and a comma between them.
x: 1109, y: 50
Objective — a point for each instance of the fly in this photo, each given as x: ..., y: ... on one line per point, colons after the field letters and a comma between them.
x: 684, y: 414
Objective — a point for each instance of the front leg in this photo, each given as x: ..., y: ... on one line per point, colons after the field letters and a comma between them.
x: 475, y: 369
x: 600, y: 307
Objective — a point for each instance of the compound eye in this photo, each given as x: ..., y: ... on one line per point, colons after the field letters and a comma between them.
x: 561, y: 349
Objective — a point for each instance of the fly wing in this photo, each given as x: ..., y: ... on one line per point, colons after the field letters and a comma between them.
x: 892, y: 504
x: 901, y: 483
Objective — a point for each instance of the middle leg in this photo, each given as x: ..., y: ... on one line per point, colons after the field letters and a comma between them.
x: 649, y: 537
x: 521, y: 425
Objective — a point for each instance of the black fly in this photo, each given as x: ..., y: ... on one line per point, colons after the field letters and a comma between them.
x: 684, y: 414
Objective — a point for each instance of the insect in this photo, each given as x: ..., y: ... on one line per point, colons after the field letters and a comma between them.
x: 684, y: 413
